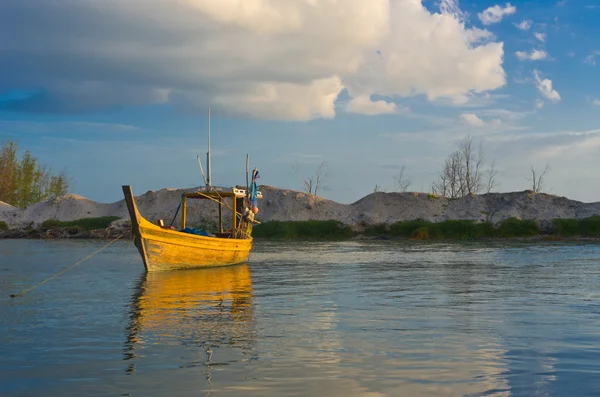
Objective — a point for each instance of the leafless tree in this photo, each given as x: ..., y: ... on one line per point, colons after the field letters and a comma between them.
x: 537, y: 179
x: 463, y: 172
x: 472, y: 161
x: 491, y: 177
x: 451, y: 183
x: 314, y: 182
x: 377, y: 189
x: 401, y: 182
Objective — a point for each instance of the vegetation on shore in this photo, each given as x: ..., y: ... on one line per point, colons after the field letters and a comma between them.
x: 25, y: 181
x: 322, y: 230
x: 83, y: 224
x: 425, y: 230
x: 334, y: 230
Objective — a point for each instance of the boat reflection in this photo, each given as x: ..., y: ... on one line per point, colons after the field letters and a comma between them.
x: 186, y: 307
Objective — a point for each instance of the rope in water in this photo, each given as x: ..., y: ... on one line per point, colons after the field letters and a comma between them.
x: 63, y: 271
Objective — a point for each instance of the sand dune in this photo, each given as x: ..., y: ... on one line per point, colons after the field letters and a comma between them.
x: 281, y: 204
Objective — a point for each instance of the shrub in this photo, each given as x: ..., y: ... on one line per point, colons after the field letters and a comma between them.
x: 566, y: 227
x: 485, y: 229
x: 3, y: 225
x: 421, y: 233
x: 406, y: 228
x: 83, y: 224
x: 302, y: 229
x: 513, y: 227
x: 380, y: 229
x: 590, y: 227
x: 459, y: 229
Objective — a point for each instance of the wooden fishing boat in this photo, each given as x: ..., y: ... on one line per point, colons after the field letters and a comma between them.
x: 164, y: 248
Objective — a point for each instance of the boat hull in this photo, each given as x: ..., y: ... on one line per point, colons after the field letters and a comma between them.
x: 170, y: 250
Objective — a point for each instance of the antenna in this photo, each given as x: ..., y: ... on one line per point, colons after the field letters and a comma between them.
x: 208, y: 179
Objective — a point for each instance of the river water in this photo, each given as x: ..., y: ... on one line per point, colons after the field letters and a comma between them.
x: 372, y: 318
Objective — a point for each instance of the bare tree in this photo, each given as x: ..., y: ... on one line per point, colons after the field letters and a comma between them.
x: 537, y: 179
x: 463, y: 172
x: 377, y: 189
x: 312, y: 183
x: 401, y: 182
x: 451, y: 183
x: 491, y: 178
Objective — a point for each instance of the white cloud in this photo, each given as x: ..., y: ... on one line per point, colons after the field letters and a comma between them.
x: 364, y: 105
x: 540, y: 36
x: 539, y: 104
x: 545, y: 87
x: 534, y: 55
x: 257, y: 58
x: 524, y: 25
x: 596, y: 102
x: 496, y: 13
x: 472, y: 119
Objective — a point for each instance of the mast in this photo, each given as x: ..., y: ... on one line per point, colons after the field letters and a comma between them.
x: 208, y: 179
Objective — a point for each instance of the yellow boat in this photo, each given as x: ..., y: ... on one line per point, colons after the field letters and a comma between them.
x: 164, y: 248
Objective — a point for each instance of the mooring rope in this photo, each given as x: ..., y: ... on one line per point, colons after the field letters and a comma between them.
x: 63, y: 271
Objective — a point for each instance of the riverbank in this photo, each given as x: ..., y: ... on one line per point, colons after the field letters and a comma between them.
x: 406, y: 215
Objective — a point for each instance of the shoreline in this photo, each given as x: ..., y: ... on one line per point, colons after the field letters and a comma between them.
x: 73, y: 233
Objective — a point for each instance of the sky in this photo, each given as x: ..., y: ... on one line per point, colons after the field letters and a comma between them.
x: 116, y: 92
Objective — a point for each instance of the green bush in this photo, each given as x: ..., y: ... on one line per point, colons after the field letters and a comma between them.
x: 459, y: 229
x: 590, y: 227
x: 3, y: 225
x: 406, y: 228
x: 513, y: 227
x: 421, y: 233
x: 302, y: 229
x: 380, y: 229
x: 566, y: 227
x: 485, y: 229
x: 83, y: 224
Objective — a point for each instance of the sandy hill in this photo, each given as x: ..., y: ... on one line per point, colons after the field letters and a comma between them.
x: 281, y: 204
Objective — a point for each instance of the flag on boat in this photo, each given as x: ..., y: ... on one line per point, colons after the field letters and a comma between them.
x: 253, y: 189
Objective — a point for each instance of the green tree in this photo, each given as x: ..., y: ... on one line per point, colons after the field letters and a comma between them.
x: 23, y: 181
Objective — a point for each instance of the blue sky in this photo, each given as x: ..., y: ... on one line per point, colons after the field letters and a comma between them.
x: 116, y: 92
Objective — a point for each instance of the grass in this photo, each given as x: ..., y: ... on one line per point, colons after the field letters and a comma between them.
x: 84, y: 223
x: 322, y: 230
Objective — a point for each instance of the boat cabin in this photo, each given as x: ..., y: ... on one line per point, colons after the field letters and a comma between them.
x: 230, y: 198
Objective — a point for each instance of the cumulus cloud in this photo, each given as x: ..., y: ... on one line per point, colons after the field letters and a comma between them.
x: 495, y: 14
x: 534, y: 55
x: 524, y: 25
x: 364, y: 105
x: 259, y: 58
x: 471, y: 119
x: 544, y: 86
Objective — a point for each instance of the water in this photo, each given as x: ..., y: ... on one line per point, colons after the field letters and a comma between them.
x: 304, y: 319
